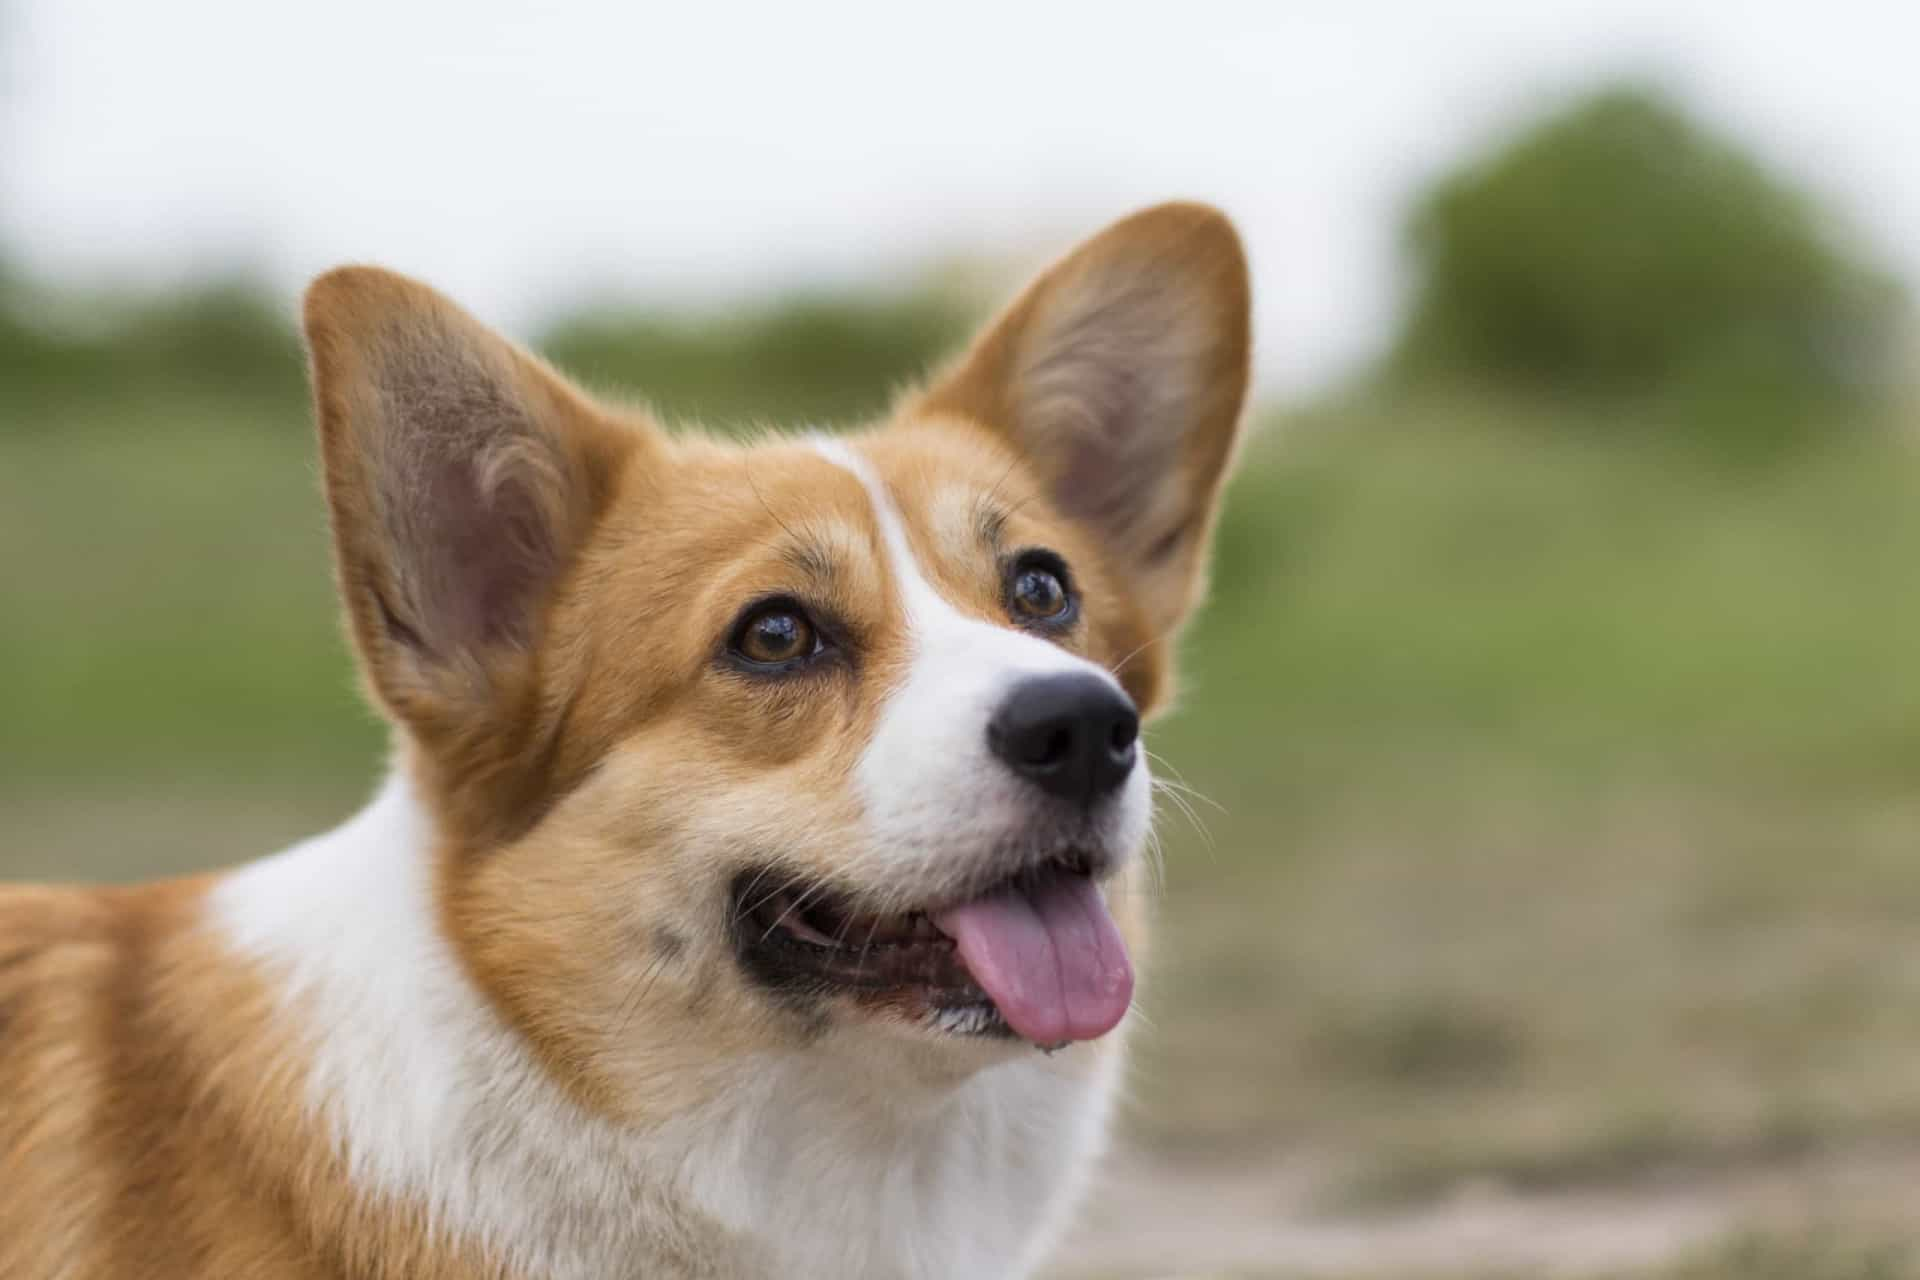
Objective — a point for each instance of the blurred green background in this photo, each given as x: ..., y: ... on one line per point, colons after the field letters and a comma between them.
x: 1549, y: 897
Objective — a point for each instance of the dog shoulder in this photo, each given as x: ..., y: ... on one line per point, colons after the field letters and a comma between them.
x: 111, y: 999
x: 58, y: 959
x: 54, y: 942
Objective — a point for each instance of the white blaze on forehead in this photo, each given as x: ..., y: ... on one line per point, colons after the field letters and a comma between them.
x: 921, y: 601
x: 932, y: 620
x: 933, y: 792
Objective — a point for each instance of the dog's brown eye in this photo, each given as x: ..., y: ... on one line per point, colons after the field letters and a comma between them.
x: 778, y: 633
x: 1039, y: 593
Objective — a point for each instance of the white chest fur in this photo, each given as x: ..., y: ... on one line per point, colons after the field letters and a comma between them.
x: 809, y: 1163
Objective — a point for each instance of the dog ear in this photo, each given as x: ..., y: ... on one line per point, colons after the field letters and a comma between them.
x: 1120, y: 373
x: 462, y: 475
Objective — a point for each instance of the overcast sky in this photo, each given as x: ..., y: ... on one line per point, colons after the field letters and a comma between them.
x: 518, y: 155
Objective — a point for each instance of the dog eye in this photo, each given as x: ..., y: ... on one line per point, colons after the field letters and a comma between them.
x: 776, y: 633
x: 1038, y: 590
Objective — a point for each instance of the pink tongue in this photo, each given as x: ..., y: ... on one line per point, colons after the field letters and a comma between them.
x: 1051, y: 958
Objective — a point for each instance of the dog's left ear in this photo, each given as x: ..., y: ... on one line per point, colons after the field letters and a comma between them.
x: 1121, y: 373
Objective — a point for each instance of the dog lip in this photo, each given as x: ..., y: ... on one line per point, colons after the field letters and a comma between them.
x: 816, y: 920
x: 807, y: 940
x: 1073, y: 859
x: 795, y: 907
x: 823, y: 938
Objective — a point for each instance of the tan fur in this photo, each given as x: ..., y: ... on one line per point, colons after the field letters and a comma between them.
x: 151, y: 1124
x: 551, y: 659
x: 1150, y: 318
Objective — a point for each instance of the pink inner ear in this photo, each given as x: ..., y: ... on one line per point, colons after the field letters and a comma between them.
x: 486, y: 557
x: 470, y: 499
x: 1116, y: 418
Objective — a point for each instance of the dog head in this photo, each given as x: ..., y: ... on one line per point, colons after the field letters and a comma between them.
x: 738, y: 745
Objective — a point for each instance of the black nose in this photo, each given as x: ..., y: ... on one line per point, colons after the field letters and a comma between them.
x: 1073, y: 734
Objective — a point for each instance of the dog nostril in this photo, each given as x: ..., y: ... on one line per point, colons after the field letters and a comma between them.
x: 1071, y: 734
x: 1057, y: 746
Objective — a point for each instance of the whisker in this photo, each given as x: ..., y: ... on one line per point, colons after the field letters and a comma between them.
x: 785, y: 886
x: 1179, y: 780
x: 744, y: 910
x: 1114, y: 668
x: 798, y: 904
x: 1156, y: 859
x: 631, y: 1006
x: 994, y: 492
x: 1192, y: 793
x: 1185, y: 806
x: 747, y: 464
x: 1134, y: 1010
x: 1178, y: 802
x: 865, y: 947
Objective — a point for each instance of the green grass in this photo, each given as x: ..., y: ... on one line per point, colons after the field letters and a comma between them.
x: 1565, y: 782
x: 168, y: 604
x: 1568, y: 807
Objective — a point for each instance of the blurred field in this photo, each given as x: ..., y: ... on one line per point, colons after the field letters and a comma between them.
x: 1554, y: 823
x: 1542, y: 877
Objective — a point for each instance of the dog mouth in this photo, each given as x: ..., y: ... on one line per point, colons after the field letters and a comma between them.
x: 1037, y: 955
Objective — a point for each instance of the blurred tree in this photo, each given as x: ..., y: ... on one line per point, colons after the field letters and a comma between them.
x: 222, y: 337
x: 1619, y: 248
x: 817, y: 358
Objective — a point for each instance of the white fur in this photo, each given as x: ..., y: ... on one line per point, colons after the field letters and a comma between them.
x: 932, y: 793
x: 835, y: 1160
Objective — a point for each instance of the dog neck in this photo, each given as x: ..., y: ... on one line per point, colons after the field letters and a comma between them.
x: 827, y: 1160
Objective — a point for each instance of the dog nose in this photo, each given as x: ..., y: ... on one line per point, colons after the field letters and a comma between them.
x: 1073, y: 734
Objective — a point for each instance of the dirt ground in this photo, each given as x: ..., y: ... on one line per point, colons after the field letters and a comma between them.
x: 1161, y: 1218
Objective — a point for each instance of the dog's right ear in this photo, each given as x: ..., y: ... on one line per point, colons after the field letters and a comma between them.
x: 462, y: 474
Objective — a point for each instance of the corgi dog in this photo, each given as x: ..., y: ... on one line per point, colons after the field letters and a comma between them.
x: 756, y: 887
